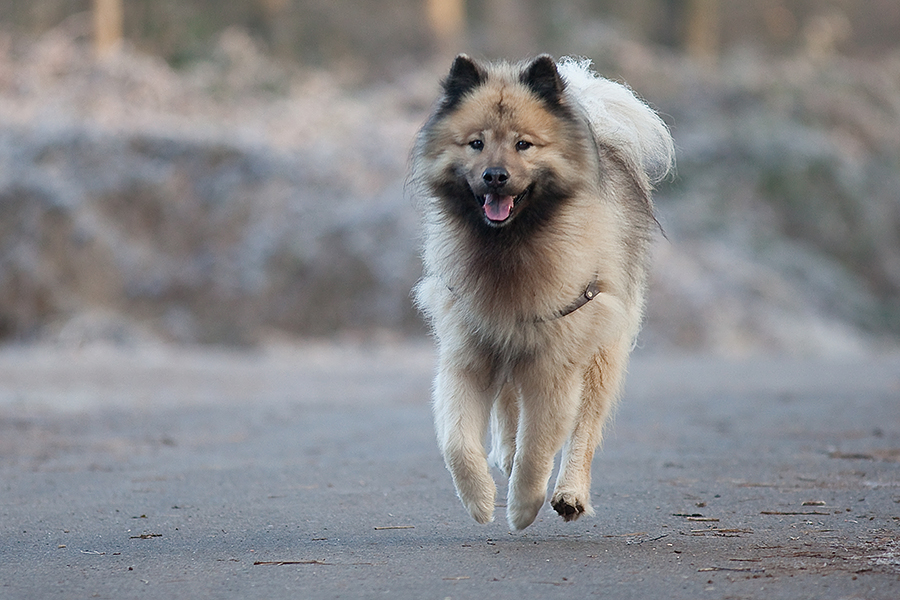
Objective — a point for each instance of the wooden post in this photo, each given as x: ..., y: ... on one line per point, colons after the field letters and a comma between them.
x: 702, y: 35
x: 108, y: 17
x: 446, y: 19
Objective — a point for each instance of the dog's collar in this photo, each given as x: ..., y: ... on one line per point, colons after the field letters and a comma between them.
x: 589, y: 293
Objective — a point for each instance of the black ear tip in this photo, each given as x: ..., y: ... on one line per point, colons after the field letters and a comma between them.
x: 543, y: 65
x: 465, y: 75
x: 463, y: 63
x: 465, y: 70
x: 543, y: 78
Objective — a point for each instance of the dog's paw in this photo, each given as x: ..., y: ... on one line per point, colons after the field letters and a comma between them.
x: 521, y: 516
x: 521, y: 512
x: 482, y: 511
x: 569, y: 507
x: 477, y: 495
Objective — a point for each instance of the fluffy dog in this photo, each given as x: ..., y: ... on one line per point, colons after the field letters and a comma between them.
x: 534, y: 183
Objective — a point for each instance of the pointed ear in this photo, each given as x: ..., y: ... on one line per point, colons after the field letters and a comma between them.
x: 544, y: 80
x: 465, y: 75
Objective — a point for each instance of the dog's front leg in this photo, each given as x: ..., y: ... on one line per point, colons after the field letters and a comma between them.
x: 461, y: 411
x: 548, y: 406
x: 602, y: 382
x: 504, y: 423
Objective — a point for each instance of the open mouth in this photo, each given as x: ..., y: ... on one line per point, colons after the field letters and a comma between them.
x: 498, y: 207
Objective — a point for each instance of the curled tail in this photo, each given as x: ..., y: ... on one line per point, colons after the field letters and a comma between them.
x: 620, y: 119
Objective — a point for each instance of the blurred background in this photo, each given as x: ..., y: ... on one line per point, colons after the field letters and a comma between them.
x: 232, y: 171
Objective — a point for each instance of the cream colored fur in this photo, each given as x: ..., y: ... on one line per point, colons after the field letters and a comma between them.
x: 540, y: 384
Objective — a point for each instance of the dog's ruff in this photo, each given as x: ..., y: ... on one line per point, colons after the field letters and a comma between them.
x: 533, y: 181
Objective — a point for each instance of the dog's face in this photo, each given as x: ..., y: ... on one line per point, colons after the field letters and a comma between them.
x: 499, y: 143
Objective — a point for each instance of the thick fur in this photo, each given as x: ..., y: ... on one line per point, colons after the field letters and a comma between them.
x: 571, y: 158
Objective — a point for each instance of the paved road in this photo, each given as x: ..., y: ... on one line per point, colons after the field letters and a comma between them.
x: 313, y: 473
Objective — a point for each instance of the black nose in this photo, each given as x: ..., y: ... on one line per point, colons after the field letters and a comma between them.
x: 495, y: 177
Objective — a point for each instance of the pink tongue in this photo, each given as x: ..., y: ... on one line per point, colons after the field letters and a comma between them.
x: 497, y: 207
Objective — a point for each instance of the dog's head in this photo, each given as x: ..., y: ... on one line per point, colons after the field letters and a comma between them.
x: 501, y: 140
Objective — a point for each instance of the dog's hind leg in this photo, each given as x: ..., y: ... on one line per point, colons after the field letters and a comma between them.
x: 602, y: 382
x: 461, y: 412
x: 504, y: 423
x: 548, y: 404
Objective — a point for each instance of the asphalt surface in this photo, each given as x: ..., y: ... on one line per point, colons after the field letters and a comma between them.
x: 313, y: 473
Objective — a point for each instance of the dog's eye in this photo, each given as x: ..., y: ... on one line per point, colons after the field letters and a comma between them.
x: 523, y: 145
x: 477, y: 145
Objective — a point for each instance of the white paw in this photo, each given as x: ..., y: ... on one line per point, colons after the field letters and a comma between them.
x: 521, y: 512
x: 477, y: 493
x: 481, y: 509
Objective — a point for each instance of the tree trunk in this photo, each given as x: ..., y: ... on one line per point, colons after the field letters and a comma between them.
x: 108, y: 17
x: 446, y: 19
x: 702, y: 31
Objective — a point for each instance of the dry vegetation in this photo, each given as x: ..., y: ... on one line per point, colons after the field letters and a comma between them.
x: 236, y: 196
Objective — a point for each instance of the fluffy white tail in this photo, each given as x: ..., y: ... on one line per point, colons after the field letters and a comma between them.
x: 620, y: 119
